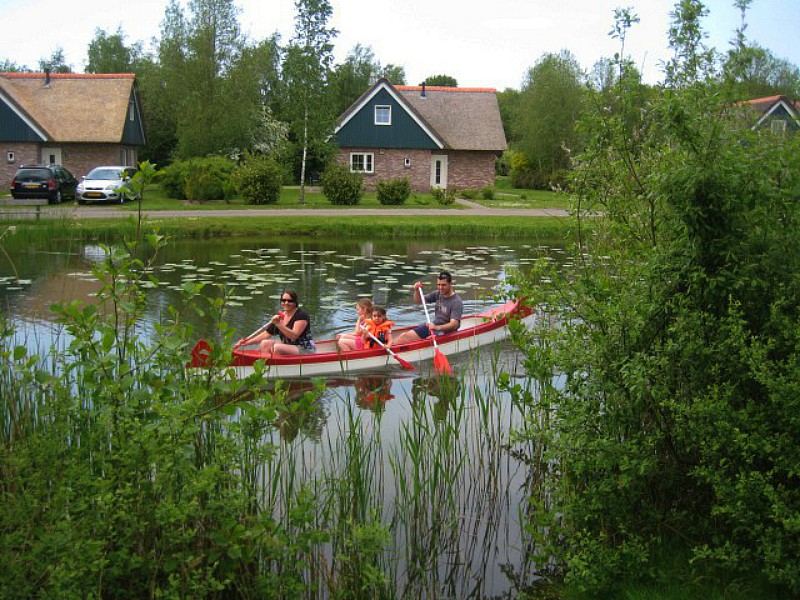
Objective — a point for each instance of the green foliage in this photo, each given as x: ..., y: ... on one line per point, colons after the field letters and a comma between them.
x: 668, y: 389
x: 440, y: 80
x: 109, y: 54
x: 199, y: 179
x: 393, y: 192
x: 258, y: 180
x: 549, y: 105
x: 145, y: 484
x: 487, y: 193
x: 342, y: 187
x: 444, y: 196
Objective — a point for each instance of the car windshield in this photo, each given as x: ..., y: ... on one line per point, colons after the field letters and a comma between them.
x: 110, y: 174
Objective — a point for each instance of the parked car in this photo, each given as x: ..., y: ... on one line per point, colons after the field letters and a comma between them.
x: 51, y: 182
x: 102, y: 184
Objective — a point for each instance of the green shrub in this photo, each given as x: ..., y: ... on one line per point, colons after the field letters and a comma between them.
x: 469, y: 194
x: 487, y: 193
x: 210, y: 179
x: 173, y: 180
x: 340, y: 186
x: 258, y: 180
x: 444, y: 196
x: 393, y: 192
x: 199, y: 179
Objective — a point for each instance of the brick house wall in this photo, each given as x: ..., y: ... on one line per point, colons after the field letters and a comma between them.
x: 79, y: 159
x: 24, y: 154
x: 465, y: 170
x: 470, y: 169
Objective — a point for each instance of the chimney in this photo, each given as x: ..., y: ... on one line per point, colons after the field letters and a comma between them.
x: 422, y: 93
x: 47, y: 77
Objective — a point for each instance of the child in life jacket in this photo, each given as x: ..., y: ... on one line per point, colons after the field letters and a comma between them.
x: 354, y: 340
x: 379, y: 326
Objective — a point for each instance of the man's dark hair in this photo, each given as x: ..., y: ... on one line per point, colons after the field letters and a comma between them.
x: 445, y: 276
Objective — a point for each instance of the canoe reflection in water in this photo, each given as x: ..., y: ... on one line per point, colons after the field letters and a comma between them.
x: 443, y: 388
x: 372, y: 393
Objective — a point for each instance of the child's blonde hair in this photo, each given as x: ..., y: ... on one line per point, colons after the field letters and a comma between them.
x: 366, y: 304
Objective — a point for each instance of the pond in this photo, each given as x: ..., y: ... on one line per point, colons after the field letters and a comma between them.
x: 438, y: 461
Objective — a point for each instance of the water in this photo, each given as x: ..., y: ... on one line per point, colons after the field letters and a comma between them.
x: 439, y: 466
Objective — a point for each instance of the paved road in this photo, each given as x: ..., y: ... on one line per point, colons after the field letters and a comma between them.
x: 470, y: 209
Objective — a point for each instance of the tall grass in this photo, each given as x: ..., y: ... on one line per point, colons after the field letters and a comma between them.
x: 122, y: 474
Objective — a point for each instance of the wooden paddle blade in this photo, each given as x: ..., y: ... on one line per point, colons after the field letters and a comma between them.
x: 201, y: 354
x: 440, y: 363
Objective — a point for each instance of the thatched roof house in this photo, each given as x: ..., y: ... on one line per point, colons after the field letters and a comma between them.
x: 434, y: 136
x: 79, y: 121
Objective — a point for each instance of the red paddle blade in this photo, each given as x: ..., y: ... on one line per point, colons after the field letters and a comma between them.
x: 440, y: 363
x: 201, y: 354
x: 404, y: 363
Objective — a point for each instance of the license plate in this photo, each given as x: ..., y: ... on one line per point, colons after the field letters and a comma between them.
x: 31, y: 186
x: 93, y: 195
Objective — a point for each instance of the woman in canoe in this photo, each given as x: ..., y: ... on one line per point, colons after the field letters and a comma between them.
x: 288, y: 332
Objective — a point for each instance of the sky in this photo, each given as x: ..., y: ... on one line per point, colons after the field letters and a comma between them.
x: 480, y: 43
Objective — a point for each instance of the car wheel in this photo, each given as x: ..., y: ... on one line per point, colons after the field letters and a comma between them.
x: 81, y: 201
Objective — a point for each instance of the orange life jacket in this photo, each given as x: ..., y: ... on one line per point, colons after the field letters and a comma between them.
x: 379, y: 331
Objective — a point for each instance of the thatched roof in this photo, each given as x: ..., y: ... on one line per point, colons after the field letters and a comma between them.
x: 456, y: 118
x: 72, y: 107
x: 465, y: 118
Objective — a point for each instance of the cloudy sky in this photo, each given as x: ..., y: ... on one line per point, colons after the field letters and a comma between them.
x: 487, y: 44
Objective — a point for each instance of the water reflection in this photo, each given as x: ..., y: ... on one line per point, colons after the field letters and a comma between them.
x: 430, y: 454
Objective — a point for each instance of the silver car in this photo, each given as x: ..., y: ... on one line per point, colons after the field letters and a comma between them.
x: 103, y: 184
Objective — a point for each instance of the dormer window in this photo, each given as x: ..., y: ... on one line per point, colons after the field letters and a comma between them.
x: 383, y: 114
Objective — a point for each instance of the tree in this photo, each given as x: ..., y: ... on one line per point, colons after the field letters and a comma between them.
x: 57, y: 63
x: 350, y: 79
x: 441, y: 80
x: 109, y: 54
x: 754, y: 72
x: 668, y: 386
x: 394, y: 73
x: 306, y: 71
x: 548, y: 108
x: 9, y: 66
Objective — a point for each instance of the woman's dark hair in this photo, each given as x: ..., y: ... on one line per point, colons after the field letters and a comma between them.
x: 292, y: 294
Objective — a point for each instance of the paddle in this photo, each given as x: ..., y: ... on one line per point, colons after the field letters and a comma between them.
x: 257, y: 331
x: 440, y: 363
x: 403, y: 362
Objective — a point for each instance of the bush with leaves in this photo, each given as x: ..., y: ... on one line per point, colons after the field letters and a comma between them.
x: 444, y: 196
x: 258, y: 180
x: 672, y: 420
x: 393, y: 192
x: 199, y: 179
x: 340, y: 186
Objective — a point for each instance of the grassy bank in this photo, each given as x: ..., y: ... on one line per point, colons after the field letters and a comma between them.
x: 504, y: 227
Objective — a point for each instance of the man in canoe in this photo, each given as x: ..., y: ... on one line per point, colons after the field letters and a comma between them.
x: 447, y: 315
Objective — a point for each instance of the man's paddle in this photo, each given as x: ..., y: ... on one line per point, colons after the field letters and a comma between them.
x: 440, y: 363
x: 403, y: 362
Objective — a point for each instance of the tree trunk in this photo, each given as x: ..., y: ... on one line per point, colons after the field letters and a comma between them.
x: 303, y: 161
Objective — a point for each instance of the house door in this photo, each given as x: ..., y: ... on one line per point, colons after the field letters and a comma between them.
x: 438, y: 170
x: 51, y: 156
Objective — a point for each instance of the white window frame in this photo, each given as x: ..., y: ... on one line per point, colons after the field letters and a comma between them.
x: 367, y: 161
x: 778, y: 126
x: 388, y: 108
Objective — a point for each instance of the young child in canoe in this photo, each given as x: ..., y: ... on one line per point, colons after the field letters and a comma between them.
x: 355, y: 340
x: 380, y: 327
